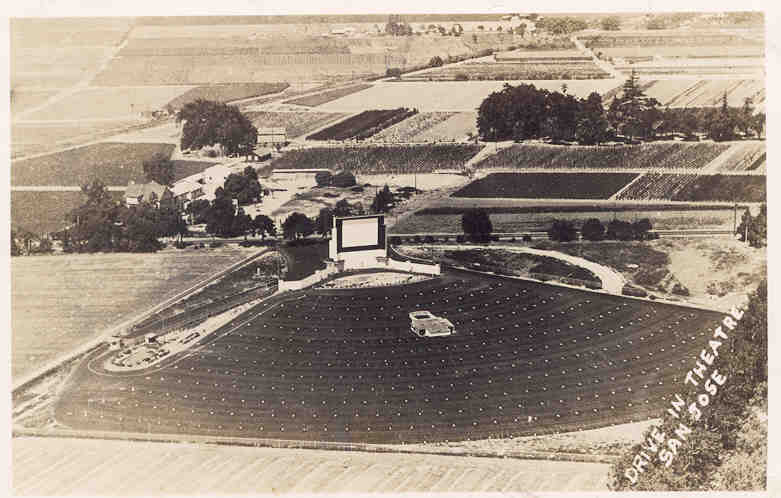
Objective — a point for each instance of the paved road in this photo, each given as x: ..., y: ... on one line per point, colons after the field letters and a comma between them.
x: 336, y: 365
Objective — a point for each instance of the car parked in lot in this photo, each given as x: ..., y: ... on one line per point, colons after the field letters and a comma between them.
x: 425, y: 324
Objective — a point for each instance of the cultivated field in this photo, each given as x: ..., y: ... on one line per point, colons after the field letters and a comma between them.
x: 112, y: 163
x: 423, y: 223
x: 744, y: 156
x: 409, y: 129
x: 449, y: 95
x: 363, y: 125
x: 44, y: 212
x: 705, y: 92
x: 684, y: 52
x: 226, y: 92
x: 380, y: 159
x: 109, y: 467
x: 323, y: 97
x: 44, y: 136
x: 698, y: 188
x: 296, y: 124
x: 209, y: 69
x: 336, y: 366
x: 105, y: 103
x: 455, y: 129
x: 21, y: 100
x: 661, y: 155
x: 60, y: 302
x: 547, y: 185
x: 509, y: 72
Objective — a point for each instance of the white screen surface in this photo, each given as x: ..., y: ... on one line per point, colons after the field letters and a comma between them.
x: 361, y: 232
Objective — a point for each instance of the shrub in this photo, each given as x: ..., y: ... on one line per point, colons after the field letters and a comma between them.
x: 393, y: 72
x: 428, y: 239
x: 630, y: 290
x: 461, y: 77
x: 343, y: 179
x: 593, y: 284
x: 527, y: 238
x: 680, y: 290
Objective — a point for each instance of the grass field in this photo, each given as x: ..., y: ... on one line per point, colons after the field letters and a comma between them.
x: 59, y: 302
x: 323, y: 97
x: 185, y: 167
x: 296, y: 124
x: 100, y: 467
x: 448, y: 95
x: 547, y: 185
x: 103, y: 103
x: 542, y: 220
x: 635, y: 157
x: 112, y: 163
x: 21, y: 100
x: 43, y: 212
x: 226, y: 92
x: 380, y: 159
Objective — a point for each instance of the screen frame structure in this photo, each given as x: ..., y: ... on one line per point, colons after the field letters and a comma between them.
x: 381, y: 240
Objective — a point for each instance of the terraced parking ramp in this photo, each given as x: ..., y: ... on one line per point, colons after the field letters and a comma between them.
x: 342, y: 366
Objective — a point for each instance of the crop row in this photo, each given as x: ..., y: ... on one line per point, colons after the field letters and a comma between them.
x: 643, y: 156
x: 200, y: 70
x: 698, y: 188
x: 295, y: 123
x: 111, y: 163
x: 409, y: 129
x: 227, y: 92
x: 363, y: 125
x: 547, y: 185
x: 702, y: 93
x: 328, y: 96
x: 718, y: 39
x: 746, y: 156
x: 532, y: 71
x: 380, y: 160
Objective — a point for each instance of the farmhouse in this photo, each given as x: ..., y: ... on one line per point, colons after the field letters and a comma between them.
x: 187, y: 190
x: 152, y: 192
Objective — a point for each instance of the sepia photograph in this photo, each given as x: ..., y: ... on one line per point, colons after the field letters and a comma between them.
x: 492, y: 249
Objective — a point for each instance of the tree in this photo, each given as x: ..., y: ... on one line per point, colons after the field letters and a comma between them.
x: 219, y: 218
x: 159, y: 169
x: 323, y: 178
x: 15, y: 249
x: 324, y: 221
x: 754, y: 228
x: 343, y: 208
x: 264, y: 225
x: 593, y: 229
x: 722, y: 128
x: 297, y: 225
x: 241, y: 224
x: 207, y: 123
x: 197, y: 210
x: 245, y: 187
x: 477, y: 224
x: 562, y: 231
x: 343, y: 179
x: 758, y: 124
x: 382, y: 201
x: 633, y: 114
x: 641, y: 228
x: 610, y: 23
x: 619, y: 230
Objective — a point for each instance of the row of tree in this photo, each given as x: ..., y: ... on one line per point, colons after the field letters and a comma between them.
x: 593, y: 229
x: 524, y: 112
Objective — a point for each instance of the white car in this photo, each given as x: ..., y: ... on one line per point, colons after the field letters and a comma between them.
x: 424, y: 324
